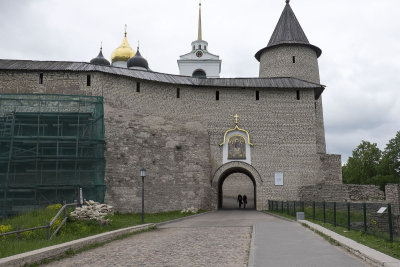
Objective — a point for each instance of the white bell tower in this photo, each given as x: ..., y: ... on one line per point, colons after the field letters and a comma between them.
x: 199, y: 62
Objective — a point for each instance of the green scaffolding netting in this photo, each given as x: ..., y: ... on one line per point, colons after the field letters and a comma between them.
x: 50, y: 146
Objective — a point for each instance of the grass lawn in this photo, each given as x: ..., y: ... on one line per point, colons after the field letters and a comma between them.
x: 31, y: 240
x: 380, y: 244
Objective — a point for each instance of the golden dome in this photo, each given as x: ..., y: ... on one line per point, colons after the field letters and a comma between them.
x: 124, y: 52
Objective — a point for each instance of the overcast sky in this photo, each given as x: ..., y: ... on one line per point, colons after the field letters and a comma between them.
x: 360, y: 61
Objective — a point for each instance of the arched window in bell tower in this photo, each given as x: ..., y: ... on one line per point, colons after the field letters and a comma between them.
x: 199, y: 74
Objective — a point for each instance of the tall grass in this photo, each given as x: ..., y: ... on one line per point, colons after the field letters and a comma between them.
x: 31, y: 240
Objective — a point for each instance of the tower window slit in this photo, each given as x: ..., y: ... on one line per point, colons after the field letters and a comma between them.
x: 178, y: 93
x: 138, y: 87
x: 298, y: 94
x: 257, y: 95
x: 217, y: 95
x: 40, y: 78
x: 88, y: 80
x: 294, y: 59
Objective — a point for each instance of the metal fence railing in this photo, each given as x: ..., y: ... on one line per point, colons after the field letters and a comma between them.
x: 378, y: 219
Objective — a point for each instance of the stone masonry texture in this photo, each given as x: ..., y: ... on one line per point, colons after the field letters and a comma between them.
x: 278, y: 62
x: 177, y: 139
x: 341, y: 193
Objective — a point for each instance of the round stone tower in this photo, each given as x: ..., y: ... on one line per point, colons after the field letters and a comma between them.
x: 289, y: 53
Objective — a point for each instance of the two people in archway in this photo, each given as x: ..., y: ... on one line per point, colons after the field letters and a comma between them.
x: 242, y: 201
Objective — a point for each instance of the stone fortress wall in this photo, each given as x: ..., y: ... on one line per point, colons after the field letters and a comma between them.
x: 281, y: 127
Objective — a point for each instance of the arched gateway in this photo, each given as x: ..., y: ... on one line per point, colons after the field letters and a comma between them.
x: 237, y: 167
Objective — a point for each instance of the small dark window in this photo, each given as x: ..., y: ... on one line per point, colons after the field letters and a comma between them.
x: 40, y: 78
x: 205, y: 47
x: 298, y: 94
x: 294, y: 59
x: 138, y: 87
x: 199, y: 74
x: 88, y: 80
x: 217, y: 95
x: 194, y: 48
x: 178, y: 93
x: 257, y: 95
x: 199, y: 46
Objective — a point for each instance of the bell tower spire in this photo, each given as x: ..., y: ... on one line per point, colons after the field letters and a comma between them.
x: 199, y: 62
x: 199, y: 35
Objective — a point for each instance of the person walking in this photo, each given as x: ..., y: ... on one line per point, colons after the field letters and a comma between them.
x: 240, y: 200
x: 244, y: 201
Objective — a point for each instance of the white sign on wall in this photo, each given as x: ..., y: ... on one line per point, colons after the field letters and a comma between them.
x: 381, y: 210
x: 279, y: 178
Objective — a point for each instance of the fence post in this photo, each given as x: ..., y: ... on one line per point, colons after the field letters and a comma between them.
x: 348, y: 216
x: 324, y: 207
x: 48, y: 230
x: 18, y: 233
x: 390, y: 223
x: 65, y: 209
x: 313, y: 210
x: 288, y: 210
x: 294, y: 207
x: 282, y: 206
x: 334, y: 214
x: 365, y: 216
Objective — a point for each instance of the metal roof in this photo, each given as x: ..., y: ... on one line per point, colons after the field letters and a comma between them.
x: 288, y: 31
x: 284, y: 82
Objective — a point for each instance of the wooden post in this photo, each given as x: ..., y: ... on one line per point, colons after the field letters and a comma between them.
x: 65, y: 208
x: 48, y: 230
x: 18, y: 233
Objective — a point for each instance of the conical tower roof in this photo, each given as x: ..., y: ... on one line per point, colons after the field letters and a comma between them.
x: 288, y: 32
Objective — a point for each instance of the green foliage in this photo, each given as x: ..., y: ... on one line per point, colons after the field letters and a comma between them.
x: 363, y: 164
x: 74, y: 229
x: 379, y: 243
x: 369, y: 165
x: 390, y: 163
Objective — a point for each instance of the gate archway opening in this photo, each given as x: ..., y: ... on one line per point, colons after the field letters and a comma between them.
x: 233, y: 167
x: 234, y: 184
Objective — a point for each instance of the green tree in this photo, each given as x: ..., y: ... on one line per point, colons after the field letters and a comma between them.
x: 389, y: 166
x: 363, y: 165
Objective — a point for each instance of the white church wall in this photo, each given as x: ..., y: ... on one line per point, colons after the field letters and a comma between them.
x: 212, y: 69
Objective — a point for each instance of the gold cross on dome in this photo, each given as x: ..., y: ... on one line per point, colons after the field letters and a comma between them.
x: 236, y: 118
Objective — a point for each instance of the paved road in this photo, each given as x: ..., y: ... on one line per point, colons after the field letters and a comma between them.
x: 288, y: 244
x: 218, y: 239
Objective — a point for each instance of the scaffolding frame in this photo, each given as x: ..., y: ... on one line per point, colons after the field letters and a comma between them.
x: 50, y: 146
